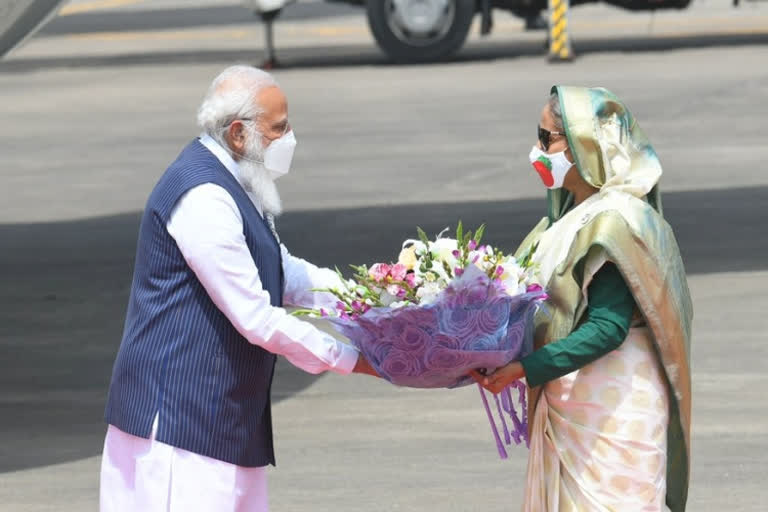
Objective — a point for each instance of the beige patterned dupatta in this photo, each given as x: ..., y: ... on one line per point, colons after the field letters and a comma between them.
x: 599, y: 435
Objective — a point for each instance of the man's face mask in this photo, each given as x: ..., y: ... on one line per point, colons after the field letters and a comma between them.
x: 279, y: 154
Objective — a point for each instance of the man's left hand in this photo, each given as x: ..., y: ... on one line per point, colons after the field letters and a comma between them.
x: 364, y: 367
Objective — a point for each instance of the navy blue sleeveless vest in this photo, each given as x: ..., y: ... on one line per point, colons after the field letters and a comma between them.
x: 180, y: 357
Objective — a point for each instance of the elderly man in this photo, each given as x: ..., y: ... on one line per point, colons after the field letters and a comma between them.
x: 189, y: 404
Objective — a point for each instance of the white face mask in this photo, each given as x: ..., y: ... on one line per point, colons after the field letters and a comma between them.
x: 552, y: 168
x: 279, y: 154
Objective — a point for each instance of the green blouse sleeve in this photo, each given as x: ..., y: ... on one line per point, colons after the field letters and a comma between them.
x: 609, y: 316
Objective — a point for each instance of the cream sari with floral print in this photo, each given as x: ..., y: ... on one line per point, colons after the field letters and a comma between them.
x: 614, y: 435
x: 599, y: 434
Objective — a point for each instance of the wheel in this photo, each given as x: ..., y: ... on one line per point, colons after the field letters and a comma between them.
x: 420, y: 30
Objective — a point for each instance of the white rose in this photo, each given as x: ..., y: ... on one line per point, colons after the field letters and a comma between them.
x: 443, y: 249
x: 428, y: 293
x: 387, y: 298
x: 417, y: 245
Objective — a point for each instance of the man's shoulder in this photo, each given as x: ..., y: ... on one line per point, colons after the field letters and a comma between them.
x: 193, y: 168
x: 193, y: 162
x: 195, y: 165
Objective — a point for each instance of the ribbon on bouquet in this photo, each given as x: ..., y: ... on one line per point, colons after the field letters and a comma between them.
x: 505, y: 405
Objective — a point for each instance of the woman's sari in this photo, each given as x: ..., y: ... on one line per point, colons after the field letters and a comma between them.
x: 614, y: 435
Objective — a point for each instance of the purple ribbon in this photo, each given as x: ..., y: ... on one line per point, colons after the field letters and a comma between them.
x: 503, y: 422
x: 494, y: 429
x: 505, y: 404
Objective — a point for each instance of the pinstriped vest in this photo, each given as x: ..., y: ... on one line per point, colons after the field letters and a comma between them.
x: 180, y: 357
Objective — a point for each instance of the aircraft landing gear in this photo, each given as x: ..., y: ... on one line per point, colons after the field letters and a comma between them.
x: 269, y: 32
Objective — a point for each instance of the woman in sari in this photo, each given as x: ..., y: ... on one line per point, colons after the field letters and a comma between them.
x: 609, y: 381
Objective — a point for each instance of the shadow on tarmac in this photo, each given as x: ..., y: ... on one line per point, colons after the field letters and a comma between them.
x: 65, y: 287
x: 369, y: 55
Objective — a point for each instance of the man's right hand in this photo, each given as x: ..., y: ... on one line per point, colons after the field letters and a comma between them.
x: 363, y: 366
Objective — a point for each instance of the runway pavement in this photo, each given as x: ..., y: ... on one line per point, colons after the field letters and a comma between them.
x: 89, y: 121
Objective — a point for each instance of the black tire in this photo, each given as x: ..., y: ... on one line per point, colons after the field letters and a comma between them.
x: 401, y: 51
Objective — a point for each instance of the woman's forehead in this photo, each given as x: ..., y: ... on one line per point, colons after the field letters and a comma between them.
x: 547, y: 120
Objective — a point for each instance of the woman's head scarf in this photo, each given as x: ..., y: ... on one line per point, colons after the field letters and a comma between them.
x: 610, y: 150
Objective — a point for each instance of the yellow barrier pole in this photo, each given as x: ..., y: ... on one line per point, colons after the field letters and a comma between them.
x: 560, y: 49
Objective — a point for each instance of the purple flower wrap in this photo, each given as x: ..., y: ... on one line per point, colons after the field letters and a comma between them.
x: 472, y: 324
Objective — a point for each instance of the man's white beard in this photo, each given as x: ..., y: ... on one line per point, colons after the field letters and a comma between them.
x: 257, y: 181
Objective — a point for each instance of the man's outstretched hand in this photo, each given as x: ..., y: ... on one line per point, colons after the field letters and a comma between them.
x: 363, y: 366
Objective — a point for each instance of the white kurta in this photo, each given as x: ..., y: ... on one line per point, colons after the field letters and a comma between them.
x: 146, y: 475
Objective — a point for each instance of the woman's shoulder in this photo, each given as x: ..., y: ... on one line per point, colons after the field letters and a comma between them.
x: 636, y: 213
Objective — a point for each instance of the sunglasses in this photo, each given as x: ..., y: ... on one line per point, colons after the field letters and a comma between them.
x: 545, y: 136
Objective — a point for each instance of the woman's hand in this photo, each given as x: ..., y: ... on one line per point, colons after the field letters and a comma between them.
x: 501, y: 378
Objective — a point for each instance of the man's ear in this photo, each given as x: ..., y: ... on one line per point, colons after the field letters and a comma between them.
x: 236, y: 137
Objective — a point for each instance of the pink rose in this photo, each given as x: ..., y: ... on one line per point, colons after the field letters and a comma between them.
x: 398, y: 272
x: 379, y: 272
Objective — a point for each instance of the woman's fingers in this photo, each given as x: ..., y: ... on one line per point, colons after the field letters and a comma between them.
x: 492, y: 383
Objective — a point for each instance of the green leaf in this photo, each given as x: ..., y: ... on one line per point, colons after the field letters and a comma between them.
x: 528, y: 257
x: 422, y: 236
x: 305, y: 312
x: 448, y: 269
x: 460, y: 232
x: 479, y: 234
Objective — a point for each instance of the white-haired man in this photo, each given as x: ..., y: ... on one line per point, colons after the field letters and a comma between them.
x: 189, y: 406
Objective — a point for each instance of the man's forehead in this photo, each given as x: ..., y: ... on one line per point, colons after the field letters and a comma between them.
x: 272, y: 100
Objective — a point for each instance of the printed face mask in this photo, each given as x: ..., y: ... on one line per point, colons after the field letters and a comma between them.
x: 552, y: 168
x: 279, y: 154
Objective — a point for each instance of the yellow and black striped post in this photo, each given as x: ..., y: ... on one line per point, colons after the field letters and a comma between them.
x: 560, y: 49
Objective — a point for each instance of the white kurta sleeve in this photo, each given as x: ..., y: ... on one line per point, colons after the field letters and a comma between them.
x: 208, y: 229
x: 301, y: 277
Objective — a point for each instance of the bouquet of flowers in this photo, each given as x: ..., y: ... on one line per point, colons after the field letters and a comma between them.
x: 448, y: 306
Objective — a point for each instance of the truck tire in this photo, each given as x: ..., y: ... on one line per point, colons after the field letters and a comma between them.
x: 411, y: 31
